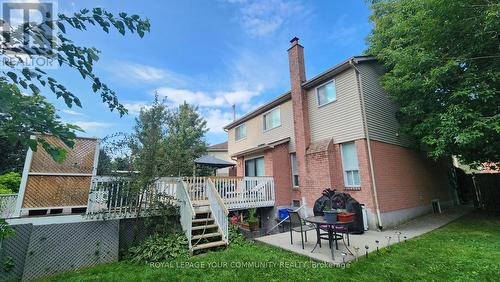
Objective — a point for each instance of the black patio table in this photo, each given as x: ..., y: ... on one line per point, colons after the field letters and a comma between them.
x: 332, y: 231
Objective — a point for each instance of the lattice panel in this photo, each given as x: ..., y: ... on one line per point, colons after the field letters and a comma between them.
x: 56, y: 248
x: 80, y: 159
x: 15, y: 248
x: 56, y: 191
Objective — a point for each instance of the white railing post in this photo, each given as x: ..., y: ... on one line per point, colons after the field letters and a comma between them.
x: 186, y: 209
x: 218, y: 209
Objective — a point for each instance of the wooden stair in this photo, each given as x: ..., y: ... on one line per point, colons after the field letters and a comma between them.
x: 205, y: 231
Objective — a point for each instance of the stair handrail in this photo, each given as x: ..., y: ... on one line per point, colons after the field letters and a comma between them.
x: 186, y: 210
x: 218, y: 209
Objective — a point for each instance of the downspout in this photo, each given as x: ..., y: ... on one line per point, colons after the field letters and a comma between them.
x: 369, y: 147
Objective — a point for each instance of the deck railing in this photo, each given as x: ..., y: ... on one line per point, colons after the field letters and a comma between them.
x: 186, y: 209
x: 8, y: 205
x: 218, y: 209
x: 245, y: 192
x: 115, y: 197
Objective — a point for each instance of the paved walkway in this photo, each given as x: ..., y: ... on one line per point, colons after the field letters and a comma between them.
x: 411, y: 229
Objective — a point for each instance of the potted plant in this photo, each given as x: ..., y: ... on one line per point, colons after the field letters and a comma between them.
x: 252, y: 221
x: 330, y: 214
x: 344, y: 216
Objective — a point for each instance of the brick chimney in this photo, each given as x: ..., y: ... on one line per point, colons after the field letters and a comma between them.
x: 299, y: 102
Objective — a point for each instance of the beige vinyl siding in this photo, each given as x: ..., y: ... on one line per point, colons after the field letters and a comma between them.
x: 257, y: 136
x: 341, y: 119
x: 380, y: 111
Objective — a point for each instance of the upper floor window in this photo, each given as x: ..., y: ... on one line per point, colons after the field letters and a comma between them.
x: 350, y: 164
x: 240, y: 132
x: 326, y: 93
x: 272, y: 119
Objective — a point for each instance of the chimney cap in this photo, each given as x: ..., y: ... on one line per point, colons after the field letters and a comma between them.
x: 294, y: 40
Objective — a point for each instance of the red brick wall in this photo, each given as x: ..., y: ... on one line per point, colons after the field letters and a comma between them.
x: 324, y: 170
x: 240, y: 166
x: 406, y: 178
x: 282, y: 172
x: 300, y: 108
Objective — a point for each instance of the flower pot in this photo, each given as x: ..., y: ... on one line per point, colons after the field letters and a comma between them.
x: 330, y: 216
x: 254, y: 226
x: 345, y: 216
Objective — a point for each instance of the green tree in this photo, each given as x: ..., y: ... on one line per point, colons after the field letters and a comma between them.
x: 147, y: 150
x: 185, y: 140
x: 442, y: 62
x: 23, y: 115
x: 104, y: 165
x: 68, y: 55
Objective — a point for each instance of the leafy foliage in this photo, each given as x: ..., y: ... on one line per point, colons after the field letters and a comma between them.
x: 13, y: 155
x: 23, y: 115
x: 9, y: 182
x: 5, y: 230
x: 185, y: 140
x: 67, y: 54
x: 442, y: 60
x: 235, y: 237
x: 160, y: 248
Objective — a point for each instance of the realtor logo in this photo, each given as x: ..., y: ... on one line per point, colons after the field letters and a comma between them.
x: 28, y: 37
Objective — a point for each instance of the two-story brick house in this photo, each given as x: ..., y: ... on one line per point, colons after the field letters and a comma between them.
x: 338, y: 129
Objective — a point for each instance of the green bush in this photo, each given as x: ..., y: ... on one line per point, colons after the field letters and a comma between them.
x: 235, y: 236
x: 9, y: 182
x: 160, y: 248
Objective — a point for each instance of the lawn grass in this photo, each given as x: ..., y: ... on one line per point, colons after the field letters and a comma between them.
x: 467, y: 249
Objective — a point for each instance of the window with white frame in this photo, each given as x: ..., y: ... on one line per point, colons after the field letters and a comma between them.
x: 326, y: 93
x: 295, y: 170
x: 240, y: 132
x: 272, y: 119
x: 350, y: 164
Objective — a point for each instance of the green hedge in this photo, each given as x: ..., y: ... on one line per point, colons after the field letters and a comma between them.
x: 9, y: 183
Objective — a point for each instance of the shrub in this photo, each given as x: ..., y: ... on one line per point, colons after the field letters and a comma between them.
x: 235, y: 236
x: 9, y: 182
x: 160, y: 248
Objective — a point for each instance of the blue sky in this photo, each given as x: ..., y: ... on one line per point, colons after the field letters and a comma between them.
x: 209, y: 53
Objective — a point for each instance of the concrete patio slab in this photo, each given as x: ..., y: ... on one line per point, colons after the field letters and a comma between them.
x: 410, y: 229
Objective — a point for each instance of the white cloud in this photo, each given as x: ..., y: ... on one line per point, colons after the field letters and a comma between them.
x: 138, y: 73
x: 72, y: 113
x: 264, y: 17
x: 216, y: 119
x: 206, y: 99
x: 134, y: 108
x: 92, y: 125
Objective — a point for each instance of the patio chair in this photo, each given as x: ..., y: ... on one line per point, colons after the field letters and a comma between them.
x: 298, y: 225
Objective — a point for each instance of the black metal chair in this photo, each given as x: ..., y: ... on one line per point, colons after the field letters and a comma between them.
x: 298, y: 225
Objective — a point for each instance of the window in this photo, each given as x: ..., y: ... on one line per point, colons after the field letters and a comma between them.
x: 350, y: 164
x: 254, y: 167
x: 326, y: 93
x: 295, y: 170
x: 272, y: 119
x: 240, y: 132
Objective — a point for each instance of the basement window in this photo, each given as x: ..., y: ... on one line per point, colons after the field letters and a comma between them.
x: 326, y: 93
x: 350, y: 164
